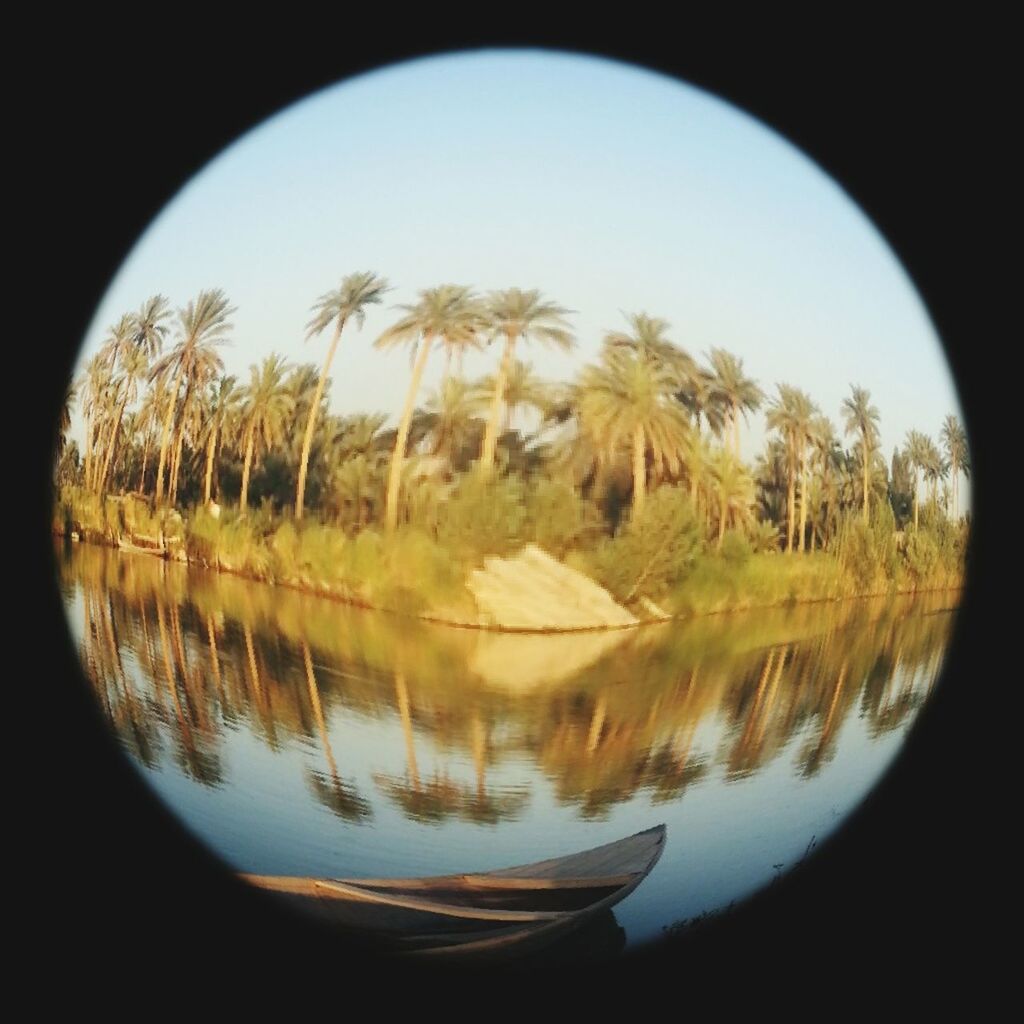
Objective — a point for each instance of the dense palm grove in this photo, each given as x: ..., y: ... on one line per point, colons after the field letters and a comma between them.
x: 631, y: 472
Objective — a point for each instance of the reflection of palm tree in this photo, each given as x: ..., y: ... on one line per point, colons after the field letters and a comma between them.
x: 341, y: 797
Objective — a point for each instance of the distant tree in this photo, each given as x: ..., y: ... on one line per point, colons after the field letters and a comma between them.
x: 861, y: 418
x: 515, y: 314
x: 455, y: 317
x: 348, y: 301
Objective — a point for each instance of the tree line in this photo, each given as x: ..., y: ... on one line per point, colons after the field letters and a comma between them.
x: 162, y: 419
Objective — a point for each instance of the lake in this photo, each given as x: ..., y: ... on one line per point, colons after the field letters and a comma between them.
x: 295, y: 735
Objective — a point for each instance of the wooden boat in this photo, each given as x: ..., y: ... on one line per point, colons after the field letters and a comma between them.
x: 492, y: 915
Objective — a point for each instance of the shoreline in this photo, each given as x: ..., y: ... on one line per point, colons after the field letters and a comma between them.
x: 528, y: 631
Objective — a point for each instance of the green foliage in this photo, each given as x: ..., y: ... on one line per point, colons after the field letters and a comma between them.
x: 653, y: 555
x: 559, y: 518
x: 736, y: 549
x: 483, y: 516
x: 922, y: 555
x: 764, y: 537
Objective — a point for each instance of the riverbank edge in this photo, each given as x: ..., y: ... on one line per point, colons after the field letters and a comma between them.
x: 346, y: 599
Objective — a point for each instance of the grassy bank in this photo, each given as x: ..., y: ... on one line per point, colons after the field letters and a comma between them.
x: 417, y: 571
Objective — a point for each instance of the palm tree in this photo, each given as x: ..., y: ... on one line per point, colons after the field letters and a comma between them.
x: 266, y: 406
x: 954, y: 439
x: 523, y: 388
x: 738, y: 393
x: 148, y: 327
x: 790, y: 414
x: 805, y: 411
x: 734, y: 491
x: 449, y: 419
x: 349, y: 300
x: 702, y: 400
x: 451, y: 314
x: 95, y: 394
x: 649, y: 341
x: 934, y: 468
x: 64, y: 418
x: 861, y: 417
x: 916, y: 451
x: 827, y: 460
x: 628, y: 398
x: 134, y: 367
x: 203, y: 323
x: 222, y: 407
x: 517, y: 314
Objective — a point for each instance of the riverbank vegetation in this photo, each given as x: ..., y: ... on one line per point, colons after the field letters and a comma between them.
x: 630, y: 473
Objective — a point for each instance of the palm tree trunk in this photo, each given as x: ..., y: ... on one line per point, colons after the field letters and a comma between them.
x: 490, y: 441
x: 88, y: 448
x: 917, y: 485
x: 113, y: 441
x: 210, y: 447
x: 736, y: 428
x: 721, y: 520
x: 791, y: 507
x: 866, y: 454
x: 639, y: 472
x: 244, y: 497
x: 398, y: 458
x: 166, y: 435
x: 803, y: 497
x: 176, y: 464
x: 145, y: 459
x: 307, y: 441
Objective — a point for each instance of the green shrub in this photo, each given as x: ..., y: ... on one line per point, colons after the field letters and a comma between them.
x: 558, y: 518
x: 483, y: 516
x: 650, y: 557
x: 735, y: 548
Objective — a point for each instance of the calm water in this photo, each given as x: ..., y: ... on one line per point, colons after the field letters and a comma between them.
x: 298, y: 736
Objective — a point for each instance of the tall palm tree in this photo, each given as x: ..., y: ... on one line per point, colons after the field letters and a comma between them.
x: 449, y: 418
x: 934, y: 468
x: 523, y: 389
x: 954, y: 439
x: 861, y: 417
x: 222, y: 406
x: 266, y: 407
x: 450, y: 314
x: 134, y: 367
x: 826, y: 462
x: 516, y: 314
x: 629, y: 398
x: 738, y: 392
x: 702, y: 400
x: 148, y: 327
x: 348, y: 301
x: 805, y: 411
x: 734, y: 491
x: 202, y: 324
x: 790, y: 414
x: 64, y: 417
x: 916, y: 451
x: 95, y: 395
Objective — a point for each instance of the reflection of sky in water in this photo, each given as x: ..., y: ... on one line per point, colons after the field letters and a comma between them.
x: 725, y: 838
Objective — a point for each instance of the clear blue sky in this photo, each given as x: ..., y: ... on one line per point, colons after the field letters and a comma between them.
x: 608, y: 187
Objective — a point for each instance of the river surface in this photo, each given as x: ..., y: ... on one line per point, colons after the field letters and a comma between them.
x: 298, y: 736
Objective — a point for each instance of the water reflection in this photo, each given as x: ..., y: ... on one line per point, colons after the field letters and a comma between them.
x: 487, y: 728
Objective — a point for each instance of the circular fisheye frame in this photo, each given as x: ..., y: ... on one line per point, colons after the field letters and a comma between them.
x: 511, y: 552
